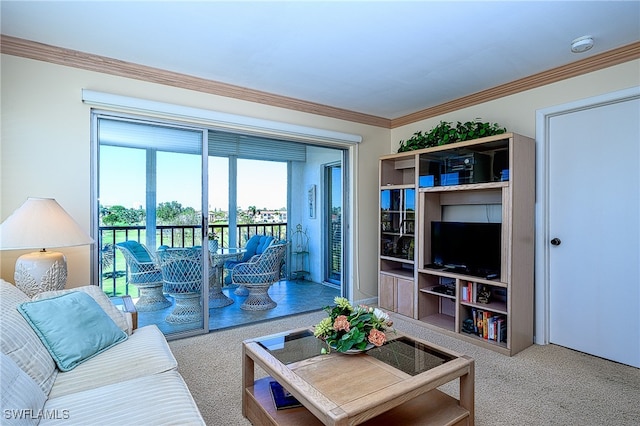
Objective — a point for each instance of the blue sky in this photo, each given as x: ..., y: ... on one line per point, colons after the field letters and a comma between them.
x: 122, y: 180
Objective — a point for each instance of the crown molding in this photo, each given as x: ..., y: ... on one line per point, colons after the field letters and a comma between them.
x: 72, y: 58
x: 574, y: 69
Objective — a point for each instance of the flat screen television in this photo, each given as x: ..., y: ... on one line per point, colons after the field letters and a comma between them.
x: 467, y: 247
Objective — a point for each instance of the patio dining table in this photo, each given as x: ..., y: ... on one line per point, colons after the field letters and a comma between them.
x: 217, y: 299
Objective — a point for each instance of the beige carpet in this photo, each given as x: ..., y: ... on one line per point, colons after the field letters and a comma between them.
x: 542, y: 385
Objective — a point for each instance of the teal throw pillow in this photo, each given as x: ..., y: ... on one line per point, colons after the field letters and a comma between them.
x: 73, y: 327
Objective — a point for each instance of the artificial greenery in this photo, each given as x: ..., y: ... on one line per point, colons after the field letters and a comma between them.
x: 352, y: 327
x: 446, y: 132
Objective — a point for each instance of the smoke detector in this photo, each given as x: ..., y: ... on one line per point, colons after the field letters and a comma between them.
x: 582, y: 44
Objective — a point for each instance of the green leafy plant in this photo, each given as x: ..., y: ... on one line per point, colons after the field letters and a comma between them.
x: 349, y: 327
x: 446, y: 132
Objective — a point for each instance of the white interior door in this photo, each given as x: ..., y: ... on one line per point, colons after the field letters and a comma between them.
x: 594, y: 213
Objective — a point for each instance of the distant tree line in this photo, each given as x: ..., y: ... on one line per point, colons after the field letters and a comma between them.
x: 167, y: 213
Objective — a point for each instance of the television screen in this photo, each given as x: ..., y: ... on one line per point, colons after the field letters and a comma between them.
x: 467, y: 247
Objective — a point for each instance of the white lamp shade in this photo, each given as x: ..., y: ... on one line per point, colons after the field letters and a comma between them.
x: 41, y: 223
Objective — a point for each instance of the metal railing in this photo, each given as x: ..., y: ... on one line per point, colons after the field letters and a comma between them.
x: 113, y: 266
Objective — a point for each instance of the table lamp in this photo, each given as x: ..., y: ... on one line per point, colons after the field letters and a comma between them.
x: 40, y: 223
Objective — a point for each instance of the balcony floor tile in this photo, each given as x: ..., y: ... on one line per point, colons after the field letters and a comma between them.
x: 292, y: 297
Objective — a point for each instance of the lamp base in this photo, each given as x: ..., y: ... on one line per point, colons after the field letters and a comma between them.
x: 40, y: 271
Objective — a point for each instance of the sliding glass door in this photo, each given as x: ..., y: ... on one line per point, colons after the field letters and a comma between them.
x: 159, y: 185
x: 150, y: 199
x: 333, y: 223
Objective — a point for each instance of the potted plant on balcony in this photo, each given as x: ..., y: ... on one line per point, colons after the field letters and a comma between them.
x: 212, y: 241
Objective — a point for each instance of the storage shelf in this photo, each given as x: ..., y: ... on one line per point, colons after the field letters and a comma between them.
x: 433, y: 408
x: 481, y: 196
x: 462, y: 277
x: 397, y: 259
x: 396, y: 212
x: 473, y: 337
x: 497, y: 307
x: 398, y: 272
x: 436, y: 293
x: 401, y: 186
x: 441, y: 320
x: 464, y: 187
x: 398, y: 234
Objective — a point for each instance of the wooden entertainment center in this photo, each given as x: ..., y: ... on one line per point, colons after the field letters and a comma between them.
x: 483, y: 180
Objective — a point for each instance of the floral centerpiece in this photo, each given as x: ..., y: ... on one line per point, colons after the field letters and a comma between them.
x: 349, y: 328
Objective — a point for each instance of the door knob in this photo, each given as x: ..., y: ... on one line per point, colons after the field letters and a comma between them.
x: 556, y: 242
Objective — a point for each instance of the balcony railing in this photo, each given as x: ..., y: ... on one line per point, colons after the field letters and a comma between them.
x: 113, y: 266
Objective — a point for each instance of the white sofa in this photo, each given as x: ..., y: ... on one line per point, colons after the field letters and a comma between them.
x: 134, y: 382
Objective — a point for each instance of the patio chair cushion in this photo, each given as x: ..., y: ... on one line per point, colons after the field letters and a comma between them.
x: 73, y: 327
x: 137, y: 250
x: 255, y: 246
x: 265, y: 241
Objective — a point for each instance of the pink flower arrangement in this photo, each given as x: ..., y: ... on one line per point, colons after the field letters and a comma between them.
x: 347, y: 327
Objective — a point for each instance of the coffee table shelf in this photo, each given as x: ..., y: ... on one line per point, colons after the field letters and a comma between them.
x: 384, y: 391
x: 432, y: 408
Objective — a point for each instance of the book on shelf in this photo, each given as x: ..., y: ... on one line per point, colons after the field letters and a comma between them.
x: 489, y: 325
x: 474, y: 313
x: 485, y: 324
x: 282, y: 399
x: 502, y: 330
x: 466, y: 291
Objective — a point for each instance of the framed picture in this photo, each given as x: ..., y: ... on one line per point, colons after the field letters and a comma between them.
x: 312, y: 201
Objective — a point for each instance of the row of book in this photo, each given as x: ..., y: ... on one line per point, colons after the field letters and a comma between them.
x: 466, y: 291
x: 471, y: 292
x: 489, y: 325
x: 474, y: 293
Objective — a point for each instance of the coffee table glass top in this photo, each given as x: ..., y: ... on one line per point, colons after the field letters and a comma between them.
x: 403, y: 353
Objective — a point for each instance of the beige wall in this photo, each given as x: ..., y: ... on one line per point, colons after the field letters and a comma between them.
x: 45, y: 147
x: 46, y: 150
x: 518, y: 112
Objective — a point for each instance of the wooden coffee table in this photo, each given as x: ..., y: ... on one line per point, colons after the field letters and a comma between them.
x: 394, y: 384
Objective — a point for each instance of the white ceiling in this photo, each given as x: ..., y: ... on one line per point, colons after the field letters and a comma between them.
x: 387, y: 59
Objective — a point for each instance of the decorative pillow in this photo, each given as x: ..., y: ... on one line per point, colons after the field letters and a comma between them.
x: 20, y: 342
x: 102, y: 299
x: 73, y: 327
x: 19, y: 394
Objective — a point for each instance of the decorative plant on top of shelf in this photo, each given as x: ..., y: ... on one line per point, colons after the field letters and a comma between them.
x: 445, y: 133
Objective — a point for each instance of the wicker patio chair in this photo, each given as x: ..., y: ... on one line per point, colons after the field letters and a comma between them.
x: 182, y: 278
x: 143, y: 272
x: 258, y: 275
x: 256, y: 245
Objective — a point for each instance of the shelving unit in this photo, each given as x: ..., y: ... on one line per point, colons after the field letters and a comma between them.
x: 488, y: 179
x: 396, y: 262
